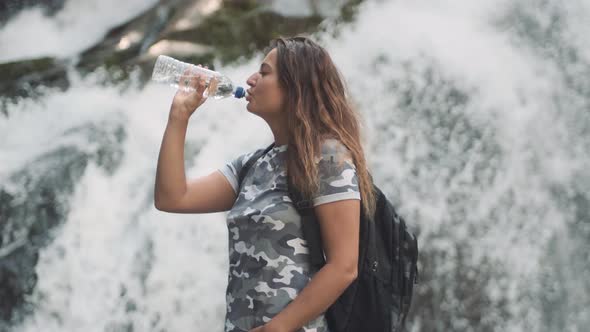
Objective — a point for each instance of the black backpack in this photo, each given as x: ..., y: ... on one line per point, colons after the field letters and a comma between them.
x: 380, y: 297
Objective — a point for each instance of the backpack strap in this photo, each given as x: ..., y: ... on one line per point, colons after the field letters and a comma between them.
x: 312, y: 233
x: 250, y: 162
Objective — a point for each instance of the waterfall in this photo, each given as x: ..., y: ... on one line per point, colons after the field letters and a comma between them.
x: 476, y: 125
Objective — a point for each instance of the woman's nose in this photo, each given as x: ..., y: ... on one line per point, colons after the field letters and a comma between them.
x: 251, y: 80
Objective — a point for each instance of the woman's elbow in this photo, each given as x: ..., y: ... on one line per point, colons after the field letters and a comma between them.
x: 347, y: 271
x: 159, y: 204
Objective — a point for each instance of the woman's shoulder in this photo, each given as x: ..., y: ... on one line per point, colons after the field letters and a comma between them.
x: 333, y: 148
x: 250, y: 154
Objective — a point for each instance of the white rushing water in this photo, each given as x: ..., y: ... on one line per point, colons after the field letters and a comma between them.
x: 476, y: 130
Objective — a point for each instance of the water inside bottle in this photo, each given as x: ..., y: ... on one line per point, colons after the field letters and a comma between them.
x: 171, y: 71
x: 224, y: 89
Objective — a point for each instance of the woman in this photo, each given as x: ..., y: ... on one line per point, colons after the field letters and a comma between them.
x: 271, y: 285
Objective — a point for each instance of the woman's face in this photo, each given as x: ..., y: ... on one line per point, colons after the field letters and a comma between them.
x: 264, y: 95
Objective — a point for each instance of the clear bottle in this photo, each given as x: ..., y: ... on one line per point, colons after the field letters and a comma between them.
x: 169, y: 70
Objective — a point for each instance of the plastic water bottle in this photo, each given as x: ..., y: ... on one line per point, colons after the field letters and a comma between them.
x: 169, y: 70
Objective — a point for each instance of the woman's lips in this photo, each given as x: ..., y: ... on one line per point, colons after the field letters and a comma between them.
x: 248, y: 97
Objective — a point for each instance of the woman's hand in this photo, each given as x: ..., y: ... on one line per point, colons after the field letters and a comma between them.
x: 191, y: 93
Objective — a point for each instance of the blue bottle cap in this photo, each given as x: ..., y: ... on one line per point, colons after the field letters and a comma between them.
x: 240, y: 92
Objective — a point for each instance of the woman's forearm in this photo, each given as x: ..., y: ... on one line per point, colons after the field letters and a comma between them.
x: 315, y: 298
x: 170, y: 174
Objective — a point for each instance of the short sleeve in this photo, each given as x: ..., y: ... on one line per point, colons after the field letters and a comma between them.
x: 337, y: 174
x: 232, y: 168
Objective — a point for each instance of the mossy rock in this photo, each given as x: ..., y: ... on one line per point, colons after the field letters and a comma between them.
x: 237, y: 34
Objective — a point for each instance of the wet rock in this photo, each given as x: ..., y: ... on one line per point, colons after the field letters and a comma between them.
x: 237, y: 34
x: 27, y: 78
x: 27, y: 219
x: 10, y: 8
x: 124, y: 43
x: 34, y: 202
x: 205, y: 31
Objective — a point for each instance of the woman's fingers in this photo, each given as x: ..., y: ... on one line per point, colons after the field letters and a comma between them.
x: 201, y: 85
x: 212, y: 85
x: 184, y: 79
x: 193, y: 81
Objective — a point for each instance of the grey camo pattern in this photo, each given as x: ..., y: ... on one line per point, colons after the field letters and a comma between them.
x: 268, y: 257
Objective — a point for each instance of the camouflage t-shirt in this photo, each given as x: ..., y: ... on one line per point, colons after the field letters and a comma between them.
x: 268, y: 257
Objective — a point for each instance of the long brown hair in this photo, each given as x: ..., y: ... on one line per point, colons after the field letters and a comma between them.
x: 317, y: 107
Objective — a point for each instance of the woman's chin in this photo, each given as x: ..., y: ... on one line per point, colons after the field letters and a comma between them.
x: 249, y: 107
